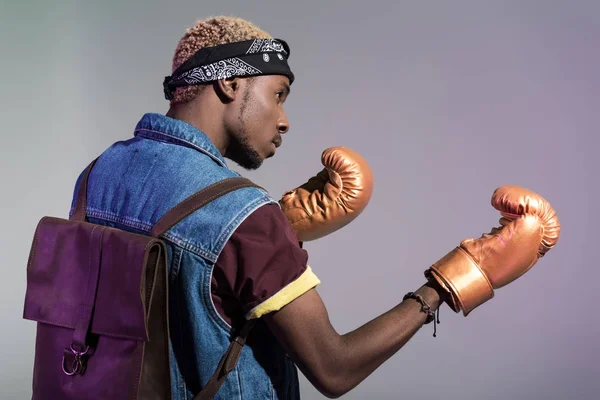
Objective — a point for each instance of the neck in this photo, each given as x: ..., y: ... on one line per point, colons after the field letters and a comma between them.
x: 206, y: 118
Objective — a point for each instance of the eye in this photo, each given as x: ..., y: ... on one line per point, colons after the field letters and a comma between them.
x: 280, y: 95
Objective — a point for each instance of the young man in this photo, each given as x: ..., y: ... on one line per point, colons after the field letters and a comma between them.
x: 239, y: 258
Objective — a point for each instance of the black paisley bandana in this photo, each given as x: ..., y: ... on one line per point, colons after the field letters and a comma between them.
x: 243, y: 59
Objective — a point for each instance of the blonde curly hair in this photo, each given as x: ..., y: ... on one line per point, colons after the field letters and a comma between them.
x: 210, y: 32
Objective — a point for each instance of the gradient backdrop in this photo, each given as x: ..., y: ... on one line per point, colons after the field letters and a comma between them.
x: 446, y: 99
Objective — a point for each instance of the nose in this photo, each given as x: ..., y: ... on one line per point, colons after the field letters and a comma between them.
x: 283, y: 125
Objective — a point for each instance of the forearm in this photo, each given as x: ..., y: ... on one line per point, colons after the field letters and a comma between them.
x: 335, y: 363
x: 363, y: 350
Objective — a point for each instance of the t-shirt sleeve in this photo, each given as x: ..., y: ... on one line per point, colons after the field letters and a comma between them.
x: 264, y: 265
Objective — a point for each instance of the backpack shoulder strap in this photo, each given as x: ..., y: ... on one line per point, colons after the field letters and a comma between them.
x: 226, y: 364
x: 81, y: 201
x: 173, y: 216
x: 198, y: 200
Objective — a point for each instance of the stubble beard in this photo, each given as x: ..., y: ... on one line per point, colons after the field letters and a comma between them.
x: 240, y: 150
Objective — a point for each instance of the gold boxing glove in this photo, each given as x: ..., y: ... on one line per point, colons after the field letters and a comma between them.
x: 472, y: 271
x: 331, y: 199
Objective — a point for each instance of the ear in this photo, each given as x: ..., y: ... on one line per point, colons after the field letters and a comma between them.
x: 228, y: 89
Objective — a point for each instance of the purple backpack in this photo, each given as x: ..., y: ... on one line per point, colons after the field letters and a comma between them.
x: 99, y: 296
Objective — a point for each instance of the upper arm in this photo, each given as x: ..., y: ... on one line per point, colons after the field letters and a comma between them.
x: 274, y: 281
x: 263, y: 264
x: 305, y: 332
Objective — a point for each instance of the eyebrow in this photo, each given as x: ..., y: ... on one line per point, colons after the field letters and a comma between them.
x: 287, y: 88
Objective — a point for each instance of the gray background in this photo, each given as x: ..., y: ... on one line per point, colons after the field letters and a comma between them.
x: 446, y: 100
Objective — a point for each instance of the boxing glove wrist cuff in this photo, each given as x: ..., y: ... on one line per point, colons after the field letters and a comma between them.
x: 458, y: 273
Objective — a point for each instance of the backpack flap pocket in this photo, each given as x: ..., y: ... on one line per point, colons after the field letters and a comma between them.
x: 58, y: 273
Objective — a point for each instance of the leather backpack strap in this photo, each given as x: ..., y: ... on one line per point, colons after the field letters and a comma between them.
x: 227, y: 363
x: 173, y: 216
x: 198, y: 200
x: 79, y: 212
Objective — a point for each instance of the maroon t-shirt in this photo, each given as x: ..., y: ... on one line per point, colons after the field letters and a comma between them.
x: 261, y: 268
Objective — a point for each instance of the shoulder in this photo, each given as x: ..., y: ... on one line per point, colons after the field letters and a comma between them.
x: 268, y: 219
x: 224, y: 216
x: 159, y: 177
x: 265, y: 265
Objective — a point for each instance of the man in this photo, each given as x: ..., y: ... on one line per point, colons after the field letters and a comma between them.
x: 239, y: 258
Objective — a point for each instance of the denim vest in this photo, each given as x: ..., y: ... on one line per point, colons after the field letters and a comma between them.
x: 132, y: 185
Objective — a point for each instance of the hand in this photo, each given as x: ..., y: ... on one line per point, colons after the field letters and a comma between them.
x: 331, y: 199
x: 529, y: 228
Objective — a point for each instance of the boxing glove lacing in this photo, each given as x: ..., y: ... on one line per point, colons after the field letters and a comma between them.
x: 431, y: 316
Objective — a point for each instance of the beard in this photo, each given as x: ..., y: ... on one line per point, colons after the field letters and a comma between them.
x: 242, y: 153
x: 240, y: 150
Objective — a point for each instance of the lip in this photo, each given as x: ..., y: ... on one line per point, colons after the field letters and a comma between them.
x: 277, y: 141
